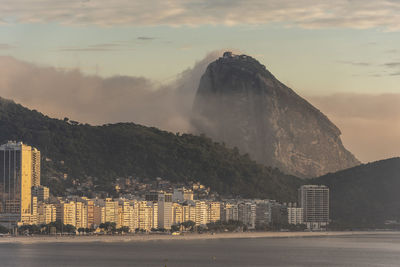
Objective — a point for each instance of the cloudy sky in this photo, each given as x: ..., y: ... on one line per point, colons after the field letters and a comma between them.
x: 101, y: 61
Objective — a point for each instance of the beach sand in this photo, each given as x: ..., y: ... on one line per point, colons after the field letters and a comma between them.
x: 187, y: 236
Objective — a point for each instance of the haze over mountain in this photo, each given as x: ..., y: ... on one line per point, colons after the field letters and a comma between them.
x: 110, y: 151
x: 64, y: 92
x: 364, y: 195
x: 241, y: 103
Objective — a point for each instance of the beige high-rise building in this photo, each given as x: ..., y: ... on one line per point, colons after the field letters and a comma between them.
x: 229, y: 212
x: 34, y: 217
x: 16, y: 175
x: 125, y: 214
x: 187, y: 194
x: 41, y: 192
x: 111, y: 210
x: 247, y: 214
x: 264, y: 211
x: 165, y: 210
x: 134, y: 219
x: 46, y: 213
x: 99, y: 215
x: 182, y: 194
x: 201, y: 213
x: 214, y: 211
x: 295, y: 214
x: 68, y: 213
x: 145, y: 216
x: 177, y: 213
x: 154, y: 214
x: 189, y: 213
x: 35, y: 167
x: 90, y: 213
x: 81, y: 215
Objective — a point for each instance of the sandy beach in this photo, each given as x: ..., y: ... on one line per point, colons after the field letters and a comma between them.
x: 188, y: 236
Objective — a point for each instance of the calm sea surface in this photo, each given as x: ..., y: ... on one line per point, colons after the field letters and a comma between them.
x: 379, y: 250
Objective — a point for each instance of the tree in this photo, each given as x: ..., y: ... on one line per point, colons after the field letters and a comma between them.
x: 175, y: 228
x: 188, y: 225
x: 109, y: 227
x: 3, y: 230
x: 123, y: 229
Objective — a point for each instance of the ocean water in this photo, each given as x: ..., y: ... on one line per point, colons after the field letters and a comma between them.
x: 364, y: 250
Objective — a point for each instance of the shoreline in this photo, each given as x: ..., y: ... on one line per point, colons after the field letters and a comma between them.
x: 189, y: 236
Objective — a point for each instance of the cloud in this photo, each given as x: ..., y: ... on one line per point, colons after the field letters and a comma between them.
x: 145, y: 38
x: 370, y: 124
x: 358, y: 14
x: 6, y: 46
x: 92, y: 99
x: 355, y: 63
x: 392, y: 64
x: 97, y: 48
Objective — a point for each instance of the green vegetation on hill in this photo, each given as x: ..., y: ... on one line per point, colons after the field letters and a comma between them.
x: 366, y: 195
x: 126, y: 149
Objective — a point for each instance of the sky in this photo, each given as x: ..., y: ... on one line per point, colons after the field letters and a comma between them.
x: 101, y: 61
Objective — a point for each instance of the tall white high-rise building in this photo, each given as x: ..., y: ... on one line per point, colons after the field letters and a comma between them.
x: 295, y: 214
x: 229, y: 212
x: 214, y: 211
x: 314, y: 199
x: 111, y: 210
x: 247, y: 214
x: 201, y: 213
x: 165, y: 217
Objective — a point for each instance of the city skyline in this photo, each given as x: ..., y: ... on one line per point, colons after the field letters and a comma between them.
x: 24, y: 201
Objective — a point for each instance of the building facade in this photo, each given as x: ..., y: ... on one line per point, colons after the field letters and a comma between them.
x: 17, y: 174
x: 295, y: 214
x: 314, y: 199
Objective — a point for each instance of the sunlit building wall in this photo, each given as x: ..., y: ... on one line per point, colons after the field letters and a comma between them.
x: 90, y: 213
x: 145, y: 216
x: 165, y: 216
x: 201, y: 213
x: 99, y: 215
x: 111, y: 210
x: 214, y: 211
x: 81, y: 215
x: 68, y: 213
x: 46, y: 213
x: 177, y: 213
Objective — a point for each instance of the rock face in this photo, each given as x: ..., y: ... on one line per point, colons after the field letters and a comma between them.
x: 242, y: 104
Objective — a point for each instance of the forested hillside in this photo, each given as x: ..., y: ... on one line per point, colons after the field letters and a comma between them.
x: 127, y: 149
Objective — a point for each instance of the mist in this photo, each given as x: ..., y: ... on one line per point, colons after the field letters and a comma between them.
x: 95, y: 100
x: 369, y: 123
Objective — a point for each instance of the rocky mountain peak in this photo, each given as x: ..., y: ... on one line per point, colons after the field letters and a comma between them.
x: 239, y: 102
